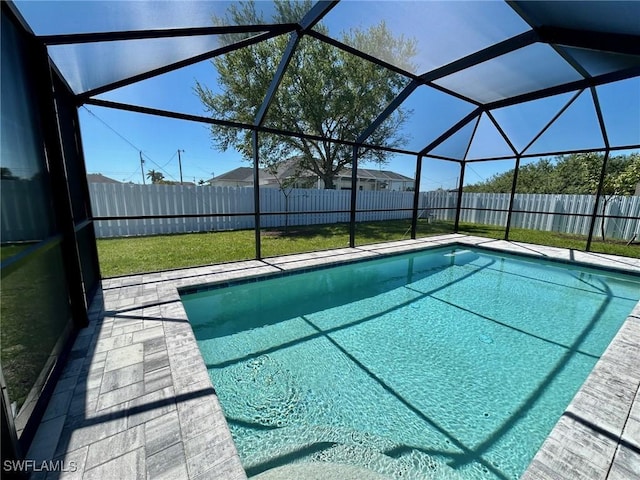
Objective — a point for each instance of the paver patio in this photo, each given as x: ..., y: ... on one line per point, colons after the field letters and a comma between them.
x: 135, y: 399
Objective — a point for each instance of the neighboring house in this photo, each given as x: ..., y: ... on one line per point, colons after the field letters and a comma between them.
x: 368, y: 179
x: 99, y: 178
x: 241, y: 177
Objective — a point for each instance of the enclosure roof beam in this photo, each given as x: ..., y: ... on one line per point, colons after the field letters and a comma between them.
x: 294, y: 39
x: 317, y: 13
x: 387, y: 65
x: 511, y: 44
x: 588, y: 39
x: 401, y: 97
x: 566, y: 87
x: 238, y: 125
x: 312, y: 17
x: 451, y: 131
x: 174, y: 66
x: 76, y: 38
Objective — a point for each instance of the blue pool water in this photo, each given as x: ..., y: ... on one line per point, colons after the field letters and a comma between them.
x: 444, y: 364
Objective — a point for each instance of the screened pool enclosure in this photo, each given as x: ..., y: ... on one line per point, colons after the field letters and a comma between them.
x: 507, y: 117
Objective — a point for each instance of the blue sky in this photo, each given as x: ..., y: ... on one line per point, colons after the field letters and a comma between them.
x: 113, y: 139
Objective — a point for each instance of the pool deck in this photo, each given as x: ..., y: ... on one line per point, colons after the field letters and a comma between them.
x: 135, y: 399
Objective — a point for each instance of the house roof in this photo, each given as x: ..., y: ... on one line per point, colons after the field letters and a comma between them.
x: 240, y: 174
x: 99, y: 178
x: 245, y: 174
x: 384, y: 175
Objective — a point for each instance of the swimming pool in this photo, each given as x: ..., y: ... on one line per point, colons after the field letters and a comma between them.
x: 448, y: 363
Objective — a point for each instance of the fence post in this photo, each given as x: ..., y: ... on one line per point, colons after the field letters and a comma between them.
x: 354, y: 189
x: 512, y: 197
x: 597, y: 201
x: 416, y: 197
x: 256, y: 192
x: 456, y: 224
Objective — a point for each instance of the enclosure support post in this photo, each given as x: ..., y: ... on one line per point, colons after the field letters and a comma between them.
x: 256, y: 191
x: 594, y: 215
x: 416, y: 198
x: 354, y: 192
x: 459, y: 203
x: 60, y: 187
x: 603, y: 172
x: 511, y: 198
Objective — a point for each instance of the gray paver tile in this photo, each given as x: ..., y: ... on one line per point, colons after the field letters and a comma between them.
x: 619, y: 473
x: 578, y: 438
x: 84, y: 401
x: 124, y: 356
x: 193, y: 427
x: 154, y: 345
x: 157, y: 379
x: 168, y: 464
x: 73, y: 368
x: 185, y: 378
x: 156, y: 361
x: 162, y: 432
x: 121, y: 377
x: 151, y: 405
x: 148, y: 334
x: 58, y: 405
x: 45, y: 441
x: 65, y: 384
x: 73, y: 465
x: 115, y: 446
x: 211, y: 457
x: 109, y: 343
x: 631, y: 432
x: 130, y: 465
x: 127, y: 328
x: 230, y: 469
x: 538, y: 470
x: 194, y: 446
x: 88, y: 432
x: 628, y: 459
x: 120, y: 395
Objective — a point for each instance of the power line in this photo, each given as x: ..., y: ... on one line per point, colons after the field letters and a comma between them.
x: 169, y: 161
x: 131, y: 144
x: 481, y: 177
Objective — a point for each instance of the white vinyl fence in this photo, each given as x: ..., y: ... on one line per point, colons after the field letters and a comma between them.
x: 556, y: 208
x: 114, y: 200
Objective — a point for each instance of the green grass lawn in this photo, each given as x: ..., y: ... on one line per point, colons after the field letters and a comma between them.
x: 122, y: 256
x: 554, y: 239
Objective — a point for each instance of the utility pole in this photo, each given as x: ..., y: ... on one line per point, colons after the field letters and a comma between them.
x: 180, y: 164
x: 142, y: 167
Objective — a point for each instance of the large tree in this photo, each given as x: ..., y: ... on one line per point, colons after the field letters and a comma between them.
x: 325, y: 92
x: 621, y: 179
x: 575, y: 174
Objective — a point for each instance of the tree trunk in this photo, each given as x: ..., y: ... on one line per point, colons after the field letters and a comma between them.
x: 605, y: 200
x: 328, y: 182
x: 286, y: 212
